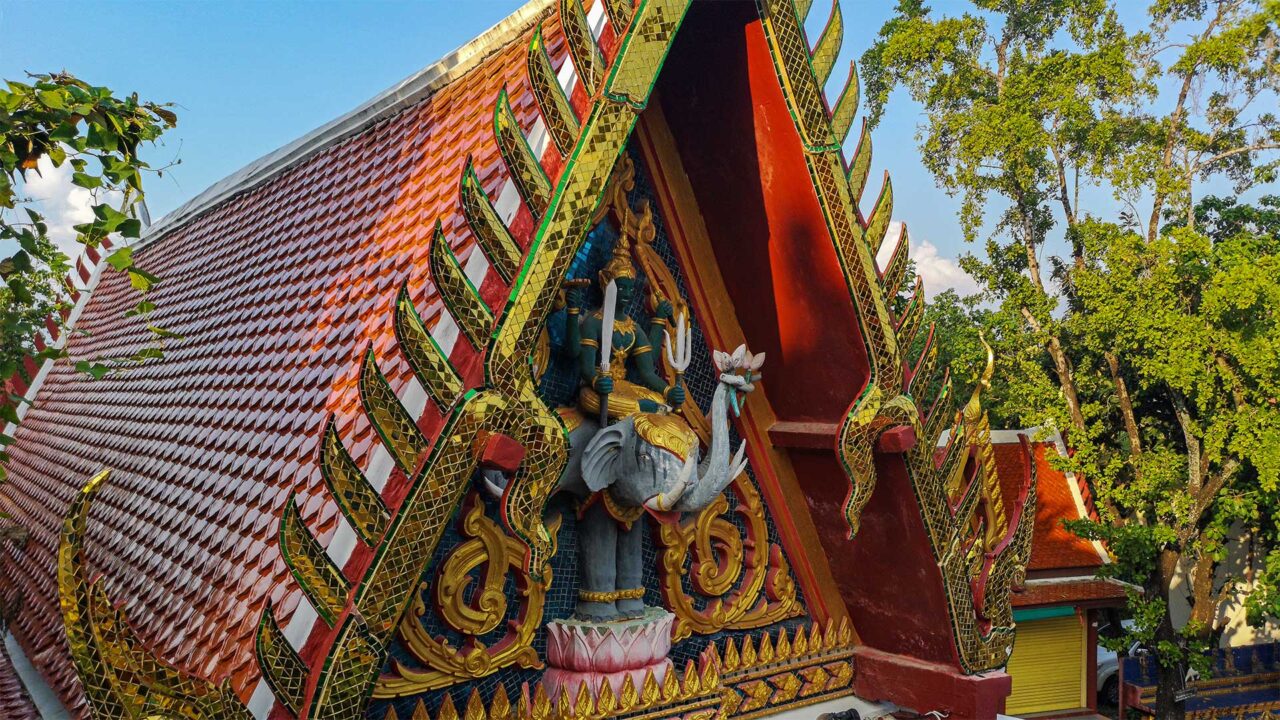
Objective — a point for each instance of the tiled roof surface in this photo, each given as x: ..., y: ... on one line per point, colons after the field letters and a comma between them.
x: 1072, y: 591
x: 276, y: 291
x: 1053, y: 547
x: 15, y: 703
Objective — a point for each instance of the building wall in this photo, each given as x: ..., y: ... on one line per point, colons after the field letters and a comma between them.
x: 1243, y: 557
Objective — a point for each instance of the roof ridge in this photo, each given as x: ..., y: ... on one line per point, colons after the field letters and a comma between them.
x: 408, y: 92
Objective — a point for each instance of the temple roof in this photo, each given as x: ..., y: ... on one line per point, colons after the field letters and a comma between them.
x: 1059, y: 496
x: 1069, y: 591
x: 1063, y: 564
x: 278, y: 278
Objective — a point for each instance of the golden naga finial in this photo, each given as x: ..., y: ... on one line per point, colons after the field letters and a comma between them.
x: 973, y: 409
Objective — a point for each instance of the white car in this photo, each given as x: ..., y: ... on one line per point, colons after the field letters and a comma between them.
x: 1109, y: 671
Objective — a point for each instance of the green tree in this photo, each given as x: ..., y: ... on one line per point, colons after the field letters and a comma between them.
x: 1150, y: 340
x: 63, y: 120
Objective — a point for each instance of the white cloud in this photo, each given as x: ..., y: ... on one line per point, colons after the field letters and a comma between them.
x: 63, y: 205
x: 938, y: 272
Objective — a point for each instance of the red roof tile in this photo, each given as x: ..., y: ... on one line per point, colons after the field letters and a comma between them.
x: 1053, y: 547
x: 277, y: 291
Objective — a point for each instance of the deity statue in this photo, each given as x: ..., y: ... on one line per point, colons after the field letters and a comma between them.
x: 631, y: 454
x: 637, y: 455
x: 631, y: 350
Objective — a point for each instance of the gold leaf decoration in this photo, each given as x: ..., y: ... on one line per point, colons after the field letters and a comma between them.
x: 461, y: 297
x: 895, y: 270
x: 620, y: 13
x: 912, y: 315
x: 282, y: 668
x: 360, y: 503
x: 878, y: 223
x: 494, y: 237
x: 526, y: 171
x: 828, y: 46
x: 428, y: 361
x: 860, y: 166
x: 587, y: 59
x: 557, y: 113
x: 321, y: 580
x: 846, y: 105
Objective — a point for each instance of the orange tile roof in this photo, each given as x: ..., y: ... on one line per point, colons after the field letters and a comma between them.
x: 1053, y: 547
x: 277, y: 290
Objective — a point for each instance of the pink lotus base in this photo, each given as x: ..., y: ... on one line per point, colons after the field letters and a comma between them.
x: 557, y: 681
x: 597, y: 652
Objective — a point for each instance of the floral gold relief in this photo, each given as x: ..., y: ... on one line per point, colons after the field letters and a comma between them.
x: 473, y: 611
x: 744, y: 577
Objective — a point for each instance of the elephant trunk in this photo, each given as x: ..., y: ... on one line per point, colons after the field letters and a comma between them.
x: 717, y: 471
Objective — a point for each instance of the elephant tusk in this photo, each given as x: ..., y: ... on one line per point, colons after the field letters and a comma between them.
x: 493, y: 482
x: 739, y: 462
x: 659, y: 503
x: 663, y: 502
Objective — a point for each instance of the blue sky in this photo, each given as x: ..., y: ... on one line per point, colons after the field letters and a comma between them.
x: 248, y: 77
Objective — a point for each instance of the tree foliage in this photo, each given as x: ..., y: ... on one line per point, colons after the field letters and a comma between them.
x: 60, y: 119
x: 1127, y: 309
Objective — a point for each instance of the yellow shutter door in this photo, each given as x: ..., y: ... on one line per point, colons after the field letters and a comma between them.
x: 1047, y: 666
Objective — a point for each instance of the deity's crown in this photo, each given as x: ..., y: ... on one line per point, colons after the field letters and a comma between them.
x: 667, y: 431
x: 619, y: 265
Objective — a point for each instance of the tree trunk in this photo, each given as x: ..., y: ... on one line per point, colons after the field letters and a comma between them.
x: 1169, y: 679
x: 1062, y: 364
x: 1126, y: 405
x: 1167, y: 708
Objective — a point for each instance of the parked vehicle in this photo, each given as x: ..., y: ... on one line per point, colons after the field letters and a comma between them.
x: 1109, y: 670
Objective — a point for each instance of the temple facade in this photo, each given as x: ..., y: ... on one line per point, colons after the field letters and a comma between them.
x: 558, y: 381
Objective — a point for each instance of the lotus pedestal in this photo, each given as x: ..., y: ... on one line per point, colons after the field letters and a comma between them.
x: 594, y: 653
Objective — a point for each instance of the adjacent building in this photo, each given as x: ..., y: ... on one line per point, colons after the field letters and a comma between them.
x: 1058, y: 608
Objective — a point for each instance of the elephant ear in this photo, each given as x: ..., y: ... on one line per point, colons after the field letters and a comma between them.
x: 600, y: 459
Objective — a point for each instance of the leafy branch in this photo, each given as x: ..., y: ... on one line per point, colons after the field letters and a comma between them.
x: 51, y: 121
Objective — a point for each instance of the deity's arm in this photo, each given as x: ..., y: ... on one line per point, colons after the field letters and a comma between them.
x: 574, y: 295
x: 572, y: 332
x: 646, y: 365
x: 657, y: 326
x: 662, y: 316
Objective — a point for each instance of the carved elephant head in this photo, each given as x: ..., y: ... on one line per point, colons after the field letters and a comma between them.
x: 646, y: 459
